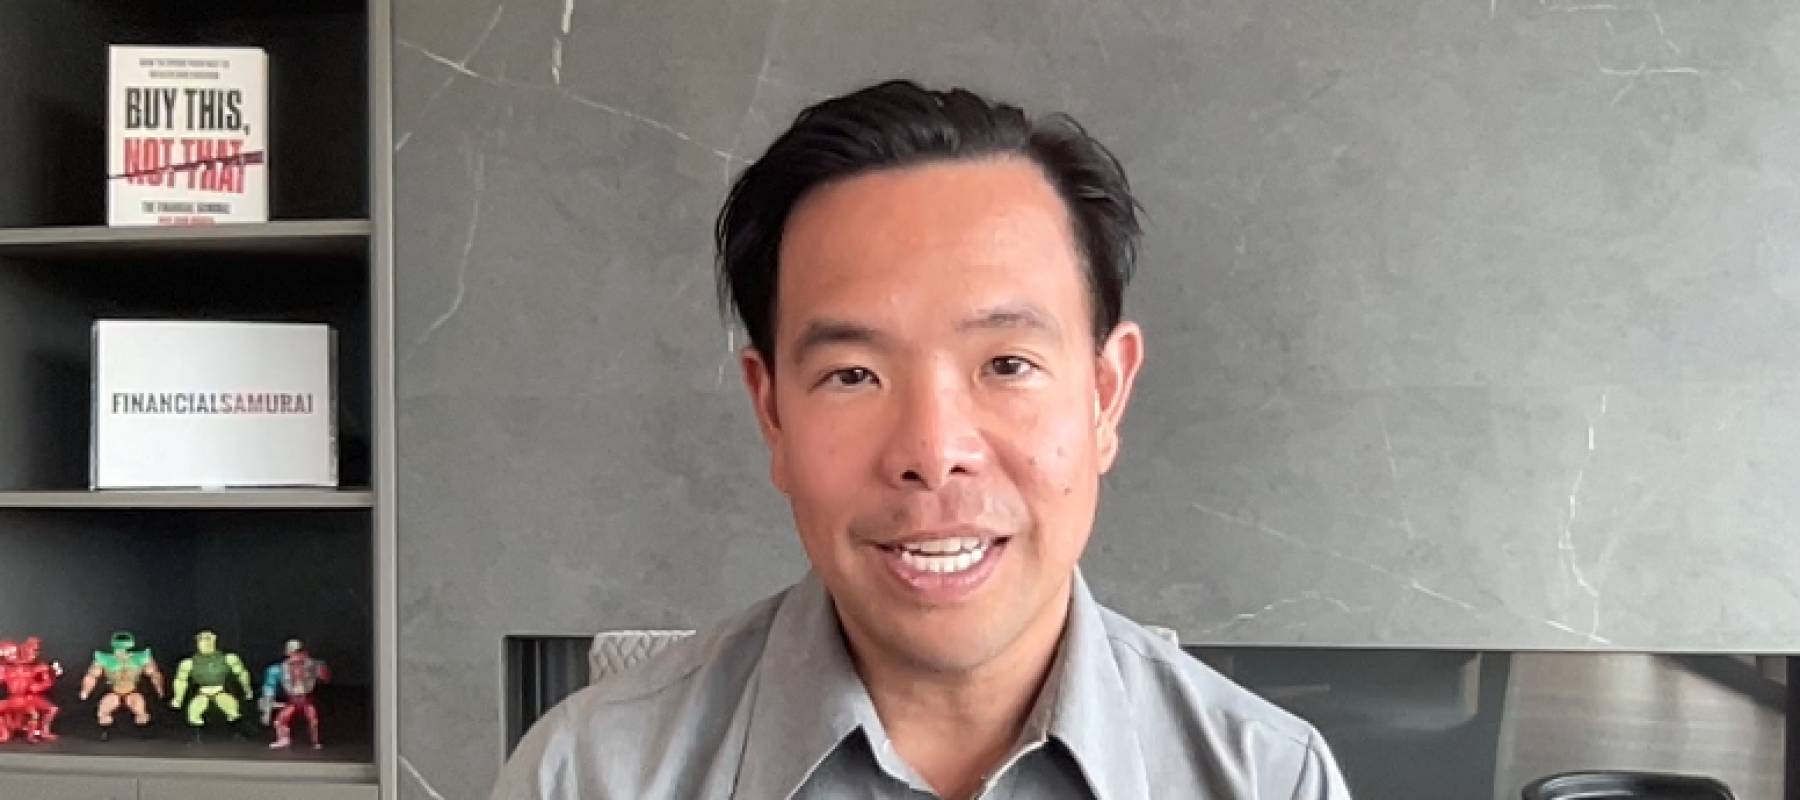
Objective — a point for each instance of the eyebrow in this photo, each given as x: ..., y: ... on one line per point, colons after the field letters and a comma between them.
x: 1014, y: 316
x: 822, y: 332
x: 826, y: 331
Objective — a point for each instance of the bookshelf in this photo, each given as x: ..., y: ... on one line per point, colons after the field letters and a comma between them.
x: 225, y: 499
x: 73, y: 244
x: 258, y: 566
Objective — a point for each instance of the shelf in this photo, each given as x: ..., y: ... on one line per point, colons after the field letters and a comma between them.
x: 224, y: 499
x: 245, y: 760
x: 348, y: 756
x: 325, y: 237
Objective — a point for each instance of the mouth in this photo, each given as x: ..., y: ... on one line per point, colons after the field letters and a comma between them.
x: 943, y: 569
x: 944, y: 556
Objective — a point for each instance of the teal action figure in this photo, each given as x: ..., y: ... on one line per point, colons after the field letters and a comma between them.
x: 211, y: 672
x: 122, y: 668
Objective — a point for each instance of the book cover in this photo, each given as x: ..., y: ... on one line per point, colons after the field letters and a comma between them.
x: 209, y: 404
x: 187, y: 135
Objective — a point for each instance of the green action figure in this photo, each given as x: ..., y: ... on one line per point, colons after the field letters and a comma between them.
x: 211, y: 672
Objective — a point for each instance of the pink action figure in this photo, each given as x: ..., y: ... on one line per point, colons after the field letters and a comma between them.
x: 25, y: 708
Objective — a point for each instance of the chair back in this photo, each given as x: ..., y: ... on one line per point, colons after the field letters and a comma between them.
x: 1615, y: 785
x: 614, y: 652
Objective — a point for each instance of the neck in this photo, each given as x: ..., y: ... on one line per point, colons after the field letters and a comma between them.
x: 955, y: 727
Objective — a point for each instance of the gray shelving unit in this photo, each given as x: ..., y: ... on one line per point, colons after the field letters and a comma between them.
x: 133, y: 767
x: 230, y: 499
x: 76, y: 243
x: 257, y: 565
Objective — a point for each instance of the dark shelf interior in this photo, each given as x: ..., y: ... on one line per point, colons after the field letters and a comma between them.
x: 344, y: 726
x: 191, y: 14
x: 257, y: 578
x: 46, y: 356
x: 53, y: 99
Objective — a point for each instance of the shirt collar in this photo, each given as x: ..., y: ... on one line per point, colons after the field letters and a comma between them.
x: 808, y: 698
x: 1085, y: 708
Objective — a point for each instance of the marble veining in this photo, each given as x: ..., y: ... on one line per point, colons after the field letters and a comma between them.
x: 1469, y: 324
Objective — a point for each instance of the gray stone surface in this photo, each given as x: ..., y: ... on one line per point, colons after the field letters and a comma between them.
x: 1470, y: 323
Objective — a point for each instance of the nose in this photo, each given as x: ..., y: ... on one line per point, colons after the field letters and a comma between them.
x: 935, y: 438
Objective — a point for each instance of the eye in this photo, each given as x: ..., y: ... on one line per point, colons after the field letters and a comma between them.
x: 1011, y: 366
x: 848, y: 377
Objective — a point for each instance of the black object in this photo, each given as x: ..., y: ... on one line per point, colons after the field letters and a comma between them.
x: 539, y: 672
x: 1792, y: 781
x: 1626, y: 786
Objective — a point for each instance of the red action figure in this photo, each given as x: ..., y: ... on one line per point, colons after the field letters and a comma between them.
x: 25, y: 708
x: 298, y: 676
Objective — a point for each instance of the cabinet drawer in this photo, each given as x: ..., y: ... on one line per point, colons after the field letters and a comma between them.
x: 201, y: 789
x: 66, y: 787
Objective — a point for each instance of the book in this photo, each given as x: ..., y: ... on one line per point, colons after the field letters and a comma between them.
x: 209, y: 404
x: 187, y: 135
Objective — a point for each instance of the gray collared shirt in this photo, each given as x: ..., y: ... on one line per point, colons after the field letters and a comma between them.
x: 768, y: 706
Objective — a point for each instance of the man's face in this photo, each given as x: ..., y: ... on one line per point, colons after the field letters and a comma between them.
x: 937, y: 413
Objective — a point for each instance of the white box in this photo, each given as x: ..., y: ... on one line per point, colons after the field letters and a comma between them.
x: 187, y: 135
x: 213, y: 405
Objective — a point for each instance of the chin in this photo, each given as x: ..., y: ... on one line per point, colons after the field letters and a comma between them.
x: 944, y: 657
x: 954, y: 641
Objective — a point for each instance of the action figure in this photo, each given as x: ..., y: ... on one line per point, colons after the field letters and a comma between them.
x: 296, y: 676
x: 210, y: 671
x: 123, y: 668
x: 14, y: 683
x: 9, y: 720
x: 26, y: 708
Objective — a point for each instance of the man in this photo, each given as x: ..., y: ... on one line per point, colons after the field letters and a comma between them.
x: 932, y: 285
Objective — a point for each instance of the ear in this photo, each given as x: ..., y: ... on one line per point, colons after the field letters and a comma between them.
x: 759, y: 381
x: 1115, y: 370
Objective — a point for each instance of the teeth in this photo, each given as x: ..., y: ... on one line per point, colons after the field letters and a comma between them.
x: 943, y: 561
x: 954, y: 544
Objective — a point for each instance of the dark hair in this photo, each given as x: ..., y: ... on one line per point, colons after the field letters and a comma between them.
x: 899, y: 123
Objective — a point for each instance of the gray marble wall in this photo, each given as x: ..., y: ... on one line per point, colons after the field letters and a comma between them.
x: 1470, y: 323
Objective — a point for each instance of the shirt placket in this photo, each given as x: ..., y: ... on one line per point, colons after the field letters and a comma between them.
x: 993, y: 782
